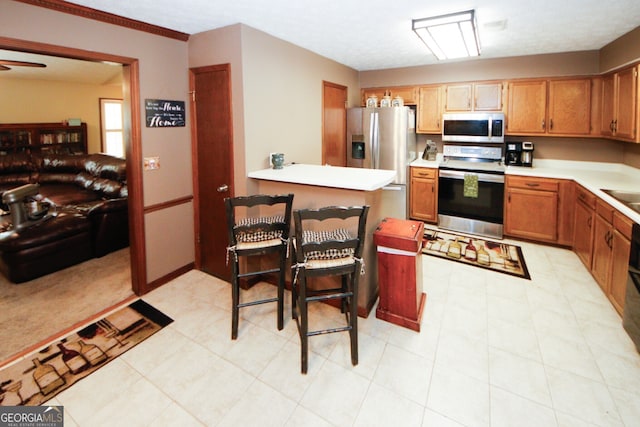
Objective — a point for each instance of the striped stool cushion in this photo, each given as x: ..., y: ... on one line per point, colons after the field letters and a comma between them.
x: 258, y: 235
x: 330, y: 257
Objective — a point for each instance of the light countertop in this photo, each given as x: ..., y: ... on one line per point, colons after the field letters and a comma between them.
x: 594, y: 176
x: 328, y: 176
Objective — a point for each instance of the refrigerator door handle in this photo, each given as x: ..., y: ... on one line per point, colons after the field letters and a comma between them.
x: 375, y: 139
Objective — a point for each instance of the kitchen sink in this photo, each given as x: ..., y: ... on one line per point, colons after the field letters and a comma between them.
x: 629, y: 198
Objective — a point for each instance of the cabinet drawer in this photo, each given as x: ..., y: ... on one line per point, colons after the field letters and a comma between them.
x: 542, y: 184
x: 428, y: 173
x: 586, y: 197
x: 622, y: 224
x: 604, y: 210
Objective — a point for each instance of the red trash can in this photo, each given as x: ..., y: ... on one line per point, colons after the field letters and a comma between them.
x: 400, y: 272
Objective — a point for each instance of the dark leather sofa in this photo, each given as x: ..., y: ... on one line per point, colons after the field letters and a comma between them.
x: 89, y: 195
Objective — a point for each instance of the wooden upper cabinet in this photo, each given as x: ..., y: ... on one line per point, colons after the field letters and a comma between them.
x: 473, y: 97
x: 626, y: 103
x: 487, y: 96
x: 619, y: 105
x: 607, y: 109
x: 458, y: 97
x: 526, y: 113
x: 569, y: 107
x: 409, y: 94
x: 429, y: 109
x: 560, y: 107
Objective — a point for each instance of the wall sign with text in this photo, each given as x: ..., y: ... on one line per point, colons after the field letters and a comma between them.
x: 161, y: 113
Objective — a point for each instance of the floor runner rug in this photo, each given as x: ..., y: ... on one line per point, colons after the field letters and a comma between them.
x: 42, y: 374
x: 476, y: 251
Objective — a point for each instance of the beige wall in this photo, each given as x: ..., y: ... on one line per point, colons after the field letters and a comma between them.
x: 277, y: 95
x: 560, y: 64
x: 40, y: 101
x: 622, y: 51
x: 163, y: 75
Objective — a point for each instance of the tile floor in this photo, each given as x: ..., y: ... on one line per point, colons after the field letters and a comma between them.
x: 494, y: 351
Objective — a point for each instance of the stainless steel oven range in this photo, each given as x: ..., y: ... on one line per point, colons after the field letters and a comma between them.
x: 471, y: 190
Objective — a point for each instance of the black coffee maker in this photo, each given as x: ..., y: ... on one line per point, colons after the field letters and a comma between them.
x: 513, y: 153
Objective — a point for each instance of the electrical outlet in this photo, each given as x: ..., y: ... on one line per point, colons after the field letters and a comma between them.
x: 151, y: 163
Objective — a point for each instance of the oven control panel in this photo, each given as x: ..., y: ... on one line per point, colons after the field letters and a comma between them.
x: 465, y: 151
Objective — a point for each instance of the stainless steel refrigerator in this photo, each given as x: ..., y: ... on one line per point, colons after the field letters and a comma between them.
x: 384, y: 138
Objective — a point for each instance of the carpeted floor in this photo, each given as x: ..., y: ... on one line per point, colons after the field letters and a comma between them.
x: 36, y: 310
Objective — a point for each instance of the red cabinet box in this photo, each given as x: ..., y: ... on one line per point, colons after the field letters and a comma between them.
x: 400, y: 272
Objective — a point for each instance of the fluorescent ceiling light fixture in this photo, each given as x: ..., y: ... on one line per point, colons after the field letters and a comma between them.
x: 450, y: 36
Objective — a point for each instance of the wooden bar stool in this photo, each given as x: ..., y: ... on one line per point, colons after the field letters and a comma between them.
x: 255, y: 236
x: 322, y: 249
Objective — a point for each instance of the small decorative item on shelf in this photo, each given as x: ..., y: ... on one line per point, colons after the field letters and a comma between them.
x: 372, y: 101
x: 277, y: 159
x: 386, y: 99
x: 74, y: 122
x: 397, y: 102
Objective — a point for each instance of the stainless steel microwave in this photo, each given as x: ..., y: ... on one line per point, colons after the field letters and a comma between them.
x: 473, y: 127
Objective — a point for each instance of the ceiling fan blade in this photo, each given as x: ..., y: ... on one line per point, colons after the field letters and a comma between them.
x: 3, y: 68
x: 21, y: 63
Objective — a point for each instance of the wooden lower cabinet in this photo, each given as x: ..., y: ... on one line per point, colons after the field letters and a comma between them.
x: 602, y: 235
x: 423, y: 198
x: 583, y: 225
x: 602, y: 241
x: 531, y: 208
x: 621, y: 247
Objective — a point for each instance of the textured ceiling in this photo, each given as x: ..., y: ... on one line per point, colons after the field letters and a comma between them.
x: 366, y: 34
x: 376, y: 34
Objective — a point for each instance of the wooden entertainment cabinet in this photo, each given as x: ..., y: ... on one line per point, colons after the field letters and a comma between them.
x: 43, y: 137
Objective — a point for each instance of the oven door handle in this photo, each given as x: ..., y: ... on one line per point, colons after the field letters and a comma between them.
x: 482, y: 177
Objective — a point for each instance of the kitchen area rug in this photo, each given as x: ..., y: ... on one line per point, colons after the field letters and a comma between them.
x: 476, y: 251
x: 39, y: 376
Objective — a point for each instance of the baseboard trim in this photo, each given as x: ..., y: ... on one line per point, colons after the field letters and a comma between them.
x: 169, y: 277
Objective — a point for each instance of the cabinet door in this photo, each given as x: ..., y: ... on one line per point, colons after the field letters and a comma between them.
x: 458, y: 97
x: 583, y: 226
x: 625, y: 111
x: 429, y: 109
x: 487, y: 97
x: 621, y: 247
x: 619, y: 270
x: 566, y: 211
x: 527, y: 107
x: 570, y: 107
x: 601, y: 263
x: 607, y: 108
x: 423, y: 197
x: 531, y: 214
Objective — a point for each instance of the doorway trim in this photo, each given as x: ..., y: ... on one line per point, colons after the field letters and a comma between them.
x: 132, y: 136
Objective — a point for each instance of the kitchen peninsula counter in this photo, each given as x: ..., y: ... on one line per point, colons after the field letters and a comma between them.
x: 316, y: 186
x: 328, y: 176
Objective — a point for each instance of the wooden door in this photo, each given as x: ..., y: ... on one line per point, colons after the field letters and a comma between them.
x: 527, y: 107
x: 334, y: 124
x: 213, y: 162
x: 570, y: 107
